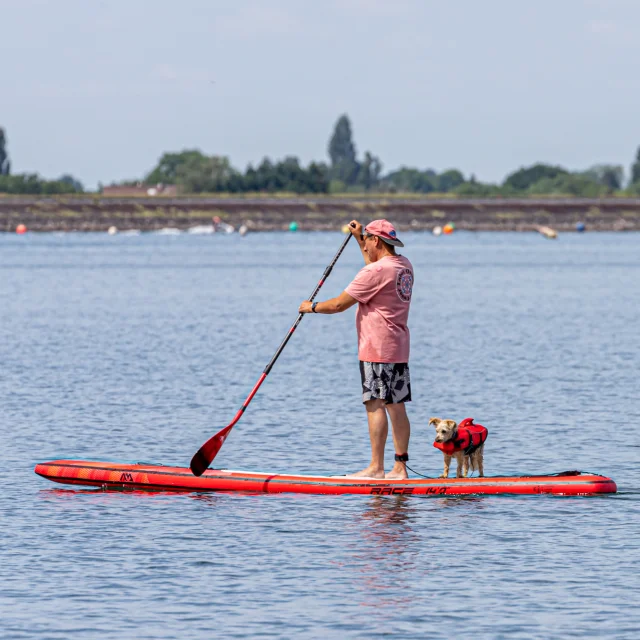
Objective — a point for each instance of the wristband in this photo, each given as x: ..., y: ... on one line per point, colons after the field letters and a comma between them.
x: 313, y: 307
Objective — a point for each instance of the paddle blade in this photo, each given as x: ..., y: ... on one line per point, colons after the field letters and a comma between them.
x: 208, y: 451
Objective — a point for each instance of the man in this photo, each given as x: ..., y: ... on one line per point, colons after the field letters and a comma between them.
x: 382, y: 289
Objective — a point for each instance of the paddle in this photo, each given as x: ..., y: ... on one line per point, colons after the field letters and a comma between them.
x: 208, y: 451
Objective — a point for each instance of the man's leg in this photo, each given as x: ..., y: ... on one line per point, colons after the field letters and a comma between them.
x: 378, y: 430
x: 401, y: 432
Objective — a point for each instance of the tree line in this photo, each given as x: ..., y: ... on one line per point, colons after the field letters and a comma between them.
x: 195, y: 172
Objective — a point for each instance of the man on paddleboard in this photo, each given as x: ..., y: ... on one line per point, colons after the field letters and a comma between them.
x: 382, y: 289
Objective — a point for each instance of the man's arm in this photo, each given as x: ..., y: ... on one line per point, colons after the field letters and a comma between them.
x: 336, y: 305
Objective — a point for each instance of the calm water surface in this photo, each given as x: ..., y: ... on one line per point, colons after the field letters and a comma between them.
x: 140, y: 348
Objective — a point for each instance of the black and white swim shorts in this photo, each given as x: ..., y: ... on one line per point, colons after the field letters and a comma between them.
x: 387, y: 381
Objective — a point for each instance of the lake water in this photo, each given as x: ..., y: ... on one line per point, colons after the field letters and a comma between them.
x: 140, y: 348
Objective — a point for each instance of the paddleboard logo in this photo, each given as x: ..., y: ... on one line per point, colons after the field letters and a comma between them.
x: 404, y: 284
x: 392, y: 491
x: 126, y: 477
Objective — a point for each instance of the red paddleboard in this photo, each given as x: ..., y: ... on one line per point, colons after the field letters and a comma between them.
x: 153, y: 477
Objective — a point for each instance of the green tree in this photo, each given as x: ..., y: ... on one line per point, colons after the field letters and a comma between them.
x: 411, y: 180
x: 5, y: 165
x: 266, y: 176
x: 199, y: 173
x: 318, y: 178
x: 474, y: 189
x: 633, y: 189
x: 33, y: 184
x: 572, y: 184
x: 290, y: 175
x: 72, y: 182
x: 337, y: 186
x: 449, y: 180
x: 524, y: 178
x: 370, y: 170
x: 635, y: 169
x: 251, y: 179
x: 166, y: 171
x: 342, y: 152
x: 608, y: 175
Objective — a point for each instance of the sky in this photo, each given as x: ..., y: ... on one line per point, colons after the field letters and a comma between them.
x: 101, y: 88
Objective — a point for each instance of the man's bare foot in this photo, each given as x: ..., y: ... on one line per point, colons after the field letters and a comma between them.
x: 369, y: 472
x: 399, y: 472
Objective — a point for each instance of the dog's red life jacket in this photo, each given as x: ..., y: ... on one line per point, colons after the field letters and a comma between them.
x: 469, y: 438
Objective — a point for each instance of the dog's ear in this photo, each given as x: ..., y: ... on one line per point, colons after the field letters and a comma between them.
x: 451, y: 423
x: 433, y: 421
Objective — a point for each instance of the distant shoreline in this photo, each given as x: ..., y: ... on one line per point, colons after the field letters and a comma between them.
x: 259, y: 213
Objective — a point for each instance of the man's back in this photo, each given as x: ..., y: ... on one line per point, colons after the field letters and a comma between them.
x: 383, y: 291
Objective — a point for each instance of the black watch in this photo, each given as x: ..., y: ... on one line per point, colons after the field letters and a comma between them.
x: 313, y: 307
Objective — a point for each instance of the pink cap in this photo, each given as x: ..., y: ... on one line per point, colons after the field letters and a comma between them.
x: 385, y: 231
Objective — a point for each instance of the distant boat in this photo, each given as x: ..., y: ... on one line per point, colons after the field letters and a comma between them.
x: 201, y: 230
x: 208, y: 229
x: 223, y: 227
x: 168, y: 231
x: 547, y: 232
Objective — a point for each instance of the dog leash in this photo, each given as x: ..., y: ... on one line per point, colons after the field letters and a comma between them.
x: 404, y: 458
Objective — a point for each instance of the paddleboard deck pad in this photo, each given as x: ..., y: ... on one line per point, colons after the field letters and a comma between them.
x: 155, y: 477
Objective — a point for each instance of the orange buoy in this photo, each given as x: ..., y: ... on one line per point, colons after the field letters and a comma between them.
x: 448, y: 228
x: 21, y: 228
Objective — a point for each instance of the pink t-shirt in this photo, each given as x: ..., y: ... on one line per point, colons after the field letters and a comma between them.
x: 383, y: 290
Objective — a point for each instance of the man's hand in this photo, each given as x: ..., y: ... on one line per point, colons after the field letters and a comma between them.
x: 305, y: 307
x: 356, y: 230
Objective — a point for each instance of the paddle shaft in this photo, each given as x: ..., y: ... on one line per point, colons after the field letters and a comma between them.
x: 325, y: 275
x: 283, y: 344
x: 205, y: 455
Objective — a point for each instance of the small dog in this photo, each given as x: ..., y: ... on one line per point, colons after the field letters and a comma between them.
x: 464, y: 442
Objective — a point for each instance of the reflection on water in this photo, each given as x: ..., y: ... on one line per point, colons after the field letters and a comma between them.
x: 392, y: 546
x: 468, y: 502
x: 386, y: 551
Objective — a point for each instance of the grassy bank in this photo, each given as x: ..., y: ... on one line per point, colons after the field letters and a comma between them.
x: 260, y: 213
